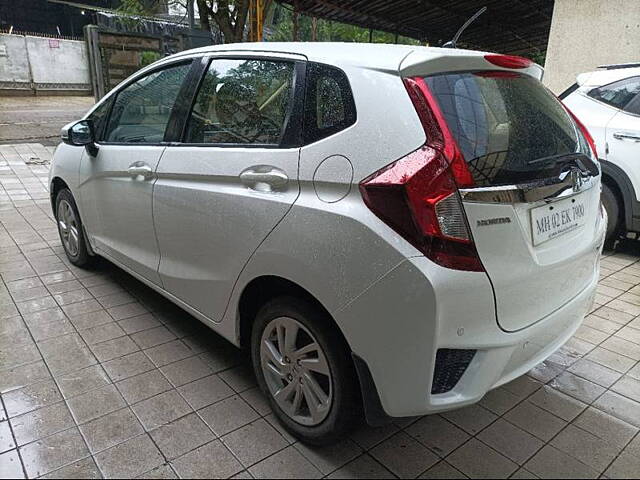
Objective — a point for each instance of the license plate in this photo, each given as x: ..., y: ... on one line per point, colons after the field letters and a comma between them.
x: 555, y: 219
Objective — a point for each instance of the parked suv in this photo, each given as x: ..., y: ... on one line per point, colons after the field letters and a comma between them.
x: 391, y: 230
x: 607, y: 101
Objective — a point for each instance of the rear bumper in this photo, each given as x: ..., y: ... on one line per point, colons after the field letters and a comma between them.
x: 438, y: 308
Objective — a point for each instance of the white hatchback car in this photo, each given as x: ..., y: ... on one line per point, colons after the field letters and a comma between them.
x: 388, y: 229
x: 607, y: 101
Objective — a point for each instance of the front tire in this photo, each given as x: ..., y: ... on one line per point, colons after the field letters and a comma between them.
x: 304, y: 367
x: 614, y: 210
x: 71, y: 230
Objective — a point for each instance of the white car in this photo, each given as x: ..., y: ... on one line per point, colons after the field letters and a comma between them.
x: 388, y: 229
x: 607, y: 101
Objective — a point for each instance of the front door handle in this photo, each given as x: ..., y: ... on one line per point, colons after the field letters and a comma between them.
x: 264, y: 178
x: 626, y: 136
x: 140, y: 169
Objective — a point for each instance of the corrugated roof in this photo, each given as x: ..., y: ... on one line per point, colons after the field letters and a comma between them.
x: 516, y: 26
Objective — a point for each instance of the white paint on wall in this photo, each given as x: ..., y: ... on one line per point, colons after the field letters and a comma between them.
x: 44, y: 63
x: 588, y: 33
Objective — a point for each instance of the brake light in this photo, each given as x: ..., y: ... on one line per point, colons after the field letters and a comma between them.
x: 418, y: 195
x: 585, y: 132
x: 508, y: 61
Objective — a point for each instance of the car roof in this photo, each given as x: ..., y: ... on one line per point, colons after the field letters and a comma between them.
x: 597, y: 78
x: 373, y: 55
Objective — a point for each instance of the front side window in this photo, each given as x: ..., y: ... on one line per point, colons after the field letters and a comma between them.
x: 141, y: 111
x: 617, y: 94
x: 242, y: 101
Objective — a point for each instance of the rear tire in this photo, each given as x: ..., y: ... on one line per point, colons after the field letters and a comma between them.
x: 614, y: 210
x: 277, y: 373
x: 71, y: 230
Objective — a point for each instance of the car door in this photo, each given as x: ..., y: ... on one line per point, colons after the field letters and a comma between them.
x: 623, y: 135
x: 233, y: 177
x: 116, y: 184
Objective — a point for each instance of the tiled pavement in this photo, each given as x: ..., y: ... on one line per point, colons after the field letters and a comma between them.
x: 100, y: 376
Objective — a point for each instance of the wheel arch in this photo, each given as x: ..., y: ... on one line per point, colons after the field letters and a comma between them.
x: 620, y: 183
x: 57, y: 184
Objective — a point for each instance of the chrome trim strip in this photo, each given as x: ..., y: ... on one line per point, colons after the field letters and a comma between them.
x: 571, y: 183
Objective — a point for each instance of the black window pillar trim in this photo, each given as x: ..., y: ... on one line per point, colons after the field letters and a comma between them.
x: 184, y: 102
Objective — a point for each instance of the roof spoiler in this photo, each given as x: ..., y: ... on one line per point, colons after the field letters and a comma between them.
x: 616, y: 66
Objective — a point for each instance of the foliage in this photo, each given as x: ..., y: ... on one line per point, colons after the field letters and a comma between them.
x: 148, y: 57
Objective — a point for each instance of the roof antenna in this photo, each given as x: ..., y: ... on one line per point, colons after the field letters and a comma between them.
x: 453, y: 43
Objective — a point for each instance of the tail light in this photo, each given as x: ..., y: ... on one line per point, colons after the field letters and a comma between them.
x: 418, y: 195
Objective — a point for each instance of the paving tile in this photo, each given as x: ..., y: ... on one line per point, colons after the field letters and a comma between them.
x: 30, y: 398
x: 161, y: 409
x: 627, y: 465
x: 41, y: 423
x: 331, y: 457
x: 168, y: 353
x: 143, y: 386
x: 186, y: 371
x: 535, y: 420
x: 139, y: 323
x: 558, y: 403
x: 91, y: 319
x: 362, y: 467
x: 205, y: 391
x: 133, y: 457
x: 10, y: 466
x: 577, y: 387
x: 111, y: 429
x: 620, y: 407
x: 163, y: 471
x: 510, y: 441
x: 606, y: 427
x: 629, y: 387
x: 102, y: 333
x: 19, y: 355
x: 586, y: 447
x: 212, y: 460
x: 623, y: 347
x: 6, y: 438
x: 439, y: 435
x: 66, y: 353
x: 81, y: 308
x: 228, y: 415
x: 118, y: 347
x: 595, y: 372
x: 82, y: 469
x: 22, y: 376
x: 612, y: 360
x: 404, y: 456
x: 500, y: 401
x: 73, y: 296
x: 368, y: 437
x: 239, y: 378
x: 254, y: 442
x: 53, y: 452
x: 477, y: 460
x: 125, y: 311
x: 288, y: 463
x: 472, y: 419
x: 128, y: 366
x: 181, y: 436
x: 95, y: 403
x: 552, y: 463
x: 82, y: 381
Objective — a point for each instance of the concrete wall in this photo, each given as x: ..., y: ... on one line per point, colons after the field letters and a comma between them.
x: 588, y: 33
x: 30, y: 64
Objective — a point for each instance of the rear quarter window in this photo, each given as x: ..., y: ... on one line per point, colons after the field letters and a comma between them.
x: 329, y: 106
x: 619, y: 94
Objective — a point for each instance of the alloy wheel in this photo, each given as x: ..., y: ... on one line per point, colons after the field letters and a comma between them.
x: 296, y: 371
x: 68, y: 226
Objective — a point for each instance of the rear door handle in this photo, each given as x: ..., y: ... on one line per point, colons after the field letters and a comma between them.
x: 626, y: 136
x: 264, y: 178
x: 140, y: 169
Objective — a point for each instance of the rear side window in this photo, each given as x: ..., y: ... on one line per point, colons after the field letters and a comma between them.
x: 141, y: 111
x: 510, y: 129
x: 329, y: 106
x: 242, y: 101
x: 618, y: 94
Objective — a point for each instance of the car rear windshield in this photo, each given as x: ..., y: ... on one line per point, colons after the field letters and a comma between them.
x: 509, y: 127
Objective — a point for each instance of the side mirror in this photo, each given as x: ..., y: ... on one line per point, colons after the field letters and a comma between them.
x: 80, y: 134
